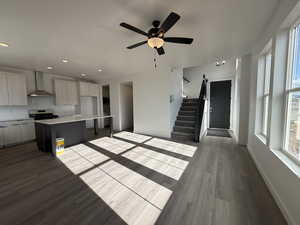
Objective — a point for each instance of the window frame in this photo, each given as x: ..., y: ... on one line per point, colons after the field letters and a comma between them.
x: 265, y: 95
x: 289, y: 90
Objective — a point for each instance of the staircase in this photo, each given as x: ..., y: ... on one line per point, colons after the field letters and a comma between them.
x: 184, y: 128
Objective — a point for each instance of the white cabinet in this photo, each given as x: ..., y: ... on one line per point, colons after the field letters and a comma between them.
x: 84, y: 89
x: 17, y: 132
x: 88, y: 89
x: 12, y: 135
x: 27, y: 132
x: 60, y: 92
x: 66, y: 92
x: 72, y: 93
x: 17, y: 92
x: 13, y: 89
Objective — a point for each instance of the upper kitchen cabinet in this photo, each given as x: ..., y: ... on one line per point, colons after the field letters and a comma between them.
x: 17, y: 91
x: 13, y: 89
x: 88, y: 89
x: 66, y: 92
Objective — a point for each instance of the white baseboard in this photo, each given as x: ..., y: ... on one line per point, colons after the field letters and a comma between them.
x: 273, y: 191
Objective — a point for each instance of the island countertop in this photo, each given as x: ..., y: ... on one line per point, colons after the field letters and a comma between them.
x: 70, y: 119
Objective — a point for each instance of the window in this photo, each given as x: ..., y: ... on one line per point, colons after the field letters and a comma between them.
x: 292, y: 93
x: 267, y: 59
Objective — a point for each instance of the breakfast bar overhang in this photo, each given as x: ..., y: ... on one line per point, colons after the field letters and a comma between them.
x: 71, y: 128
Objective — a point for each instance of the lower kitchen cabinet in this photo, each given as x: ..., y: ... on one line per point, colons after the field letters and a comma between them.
x: 12, y: 135
x: 27, y: 132
x: 17, y: 133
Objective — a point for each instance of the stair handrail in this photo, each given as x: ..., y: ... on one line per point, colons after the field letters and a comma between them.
x: 200, y: 109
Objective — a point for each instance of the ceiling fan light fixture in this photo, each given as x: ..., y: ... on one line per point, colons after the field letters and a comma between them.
x: 155, y: 42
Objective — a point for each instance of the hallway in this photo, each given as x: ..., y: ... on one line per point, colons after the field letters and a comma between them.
x: 221, y: 186
x: 135, y: 179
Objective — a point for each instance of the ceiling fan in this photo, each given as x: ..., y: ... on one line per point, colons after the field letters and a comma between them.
x: 156, y: 35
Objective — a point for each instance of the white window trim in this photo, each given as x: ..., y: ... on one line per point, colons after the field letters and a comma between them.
x: 263, y: 115
x: 261, y: 133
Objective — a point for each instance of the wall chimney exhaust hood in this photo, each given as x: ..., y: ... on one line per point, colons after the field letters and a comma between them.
x: 39, y: 90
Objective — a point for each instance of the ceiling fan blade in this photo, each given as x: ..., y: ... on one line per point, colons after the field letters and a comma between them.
x: 160, y: 51
x: 179, y: 40
x: 137, y: 45
x: 132, y: 28
x: 169, y: 22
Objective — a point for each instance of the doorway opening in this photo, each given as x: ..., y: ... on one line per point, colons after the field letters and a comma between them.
x: 126, y: 100
x: 106, y: 104
x: 220, y: 100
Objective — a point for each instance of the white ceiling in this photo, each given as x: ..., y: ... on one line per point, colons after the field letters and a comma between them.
x: 41, y: 33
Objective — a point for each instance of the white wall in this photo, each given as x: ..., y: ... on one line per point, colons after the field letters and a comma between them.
x: 151, y: 101
x: 126, y: 101
x: 236, y: 101
x: 243, y: 89
x: 176, y: 91
x: 151, y: 104
x: 212, y: 73
x: 283, y: 183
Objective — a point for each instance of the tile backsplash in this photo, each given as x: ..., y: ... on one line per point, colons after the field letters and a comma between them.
x: 21, y: 112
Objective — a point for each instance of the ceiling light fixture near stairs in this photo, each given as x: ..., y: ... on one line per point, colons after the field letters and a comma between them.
x: 220, y: 61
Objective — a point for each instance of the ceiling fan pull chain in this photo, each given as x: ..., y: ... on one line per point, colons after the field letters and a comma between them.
x: 155, y: 65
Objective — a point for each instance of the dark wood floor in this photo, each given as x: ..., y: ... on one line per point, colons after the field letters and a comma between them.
x: 220, y: 186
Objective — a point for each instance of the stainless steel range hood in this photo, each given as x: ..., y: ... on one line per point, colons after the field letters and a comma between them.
x: 39, y: 86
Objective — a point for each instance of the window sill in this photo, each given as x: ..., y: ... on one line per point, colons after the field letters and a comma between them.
x: 289, y: 163
x: 262, y: 138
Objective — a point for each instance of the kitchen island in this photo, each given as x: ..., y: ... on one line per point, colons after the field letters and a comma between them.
x: 71, y: 128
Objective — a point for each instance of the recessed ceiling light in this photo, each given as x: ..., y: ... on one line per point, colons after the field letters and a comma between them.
x: 2, y: 44
x: 83, y: 74
x: 65, y: 60
x: 99, y: 70
x: 49, y: 67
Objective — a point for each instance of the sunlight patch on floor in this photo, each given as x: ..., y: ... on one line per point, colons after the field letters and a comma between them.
x: 138, y: 138
x: 171, y: 146
x: 90, y: 154
x: 132, y: 208
x: 154, y: 164
x: 74, y: 162
x: 112, y: 145
x: 155, y: 193
x: 135, y: 198
x: 179, y: 163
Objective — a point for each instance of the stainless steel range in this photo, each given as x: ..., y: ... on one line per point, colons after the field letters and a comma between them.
x: 42, y: 114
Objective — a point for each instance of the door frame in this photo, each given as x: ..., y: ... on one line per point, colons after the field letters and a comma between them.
x: 232, y: 96
x: 101, y: 101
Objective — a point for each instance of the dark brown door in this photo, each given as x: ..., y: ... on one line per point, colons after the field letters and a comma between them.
x: 220, y: 97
